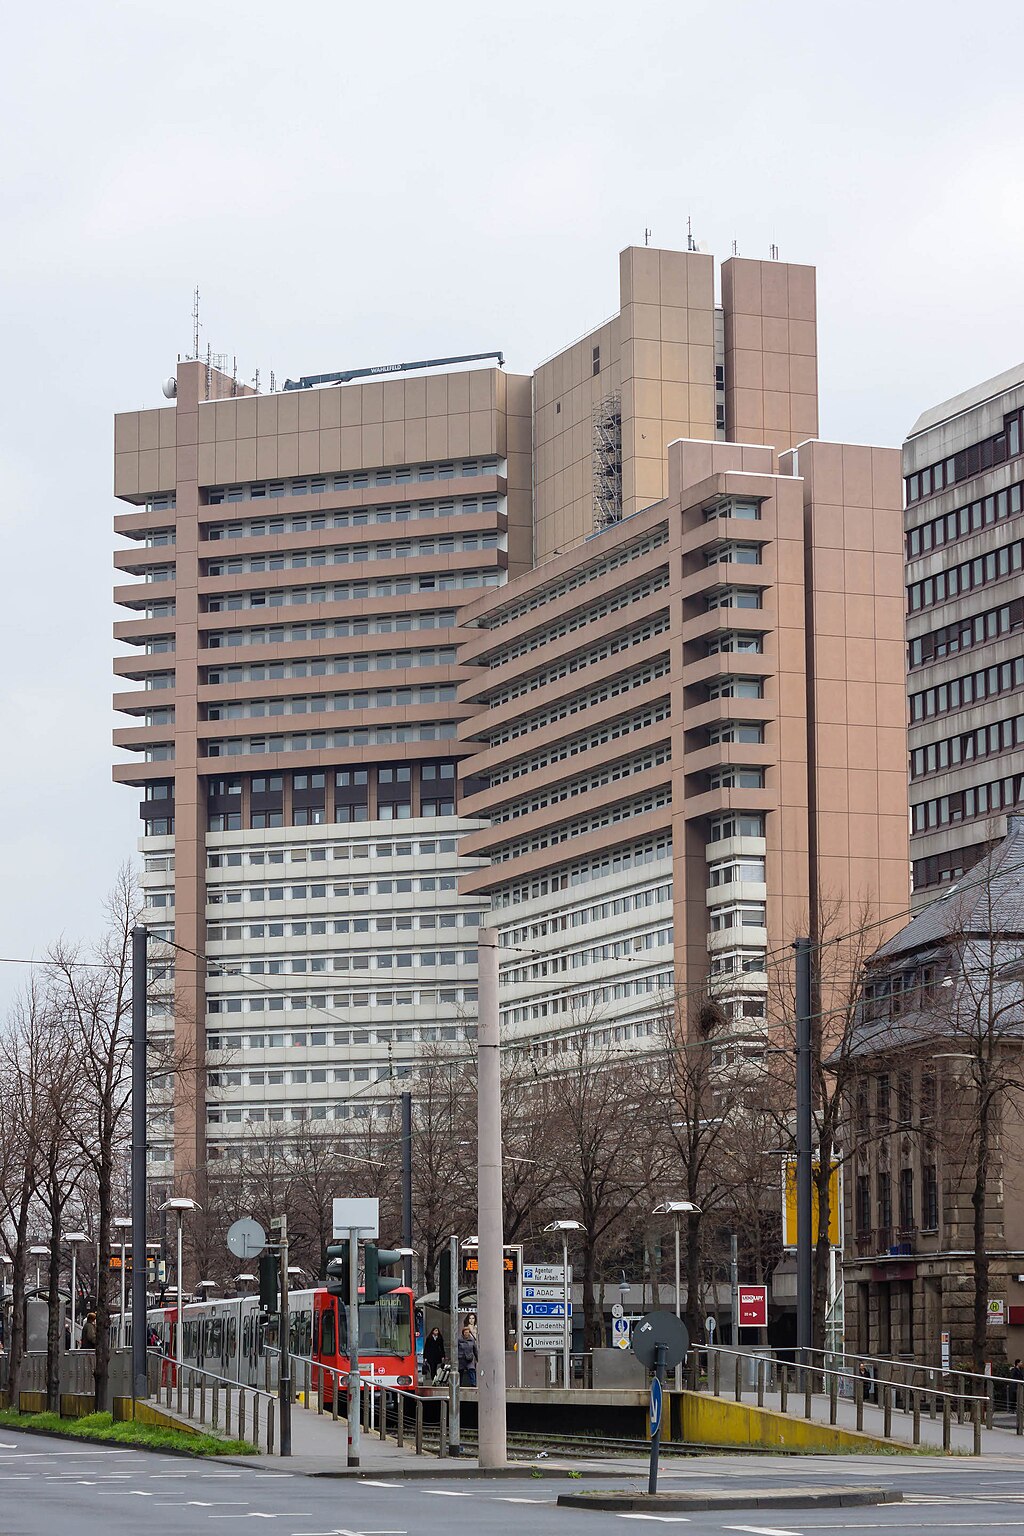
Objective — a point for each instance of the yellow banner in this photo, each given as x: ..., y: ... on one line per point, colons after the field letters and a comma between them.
x: 835, y: 1206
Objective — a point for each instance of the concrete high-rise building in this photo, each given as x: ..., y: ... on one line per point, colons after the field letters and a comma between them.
x: 299, y: 561
x: 671, y: 364
x: 688, y: 703
x: 964, y: 475
x: 690, y: 743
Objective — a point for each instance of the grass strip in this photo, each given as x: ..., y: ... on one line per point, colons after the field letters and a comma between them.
x: 102, y: 1427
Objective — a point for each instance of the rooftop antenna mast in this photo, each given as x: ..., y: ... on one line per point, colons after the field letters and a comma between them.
x: 691, y: 244
x: 647, y: 236
x: 195, y: 324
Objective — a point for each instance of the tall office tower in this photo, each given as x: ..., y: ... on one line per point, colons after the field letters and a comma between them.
x: 670, y: 364
x: 298, y: 564
x: 690, y: 743
x: 965, y: 621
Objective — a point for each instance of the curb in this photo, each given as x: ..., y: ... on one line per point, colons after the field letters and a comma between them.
x: 449, y: 1470
x: 782, y: 1498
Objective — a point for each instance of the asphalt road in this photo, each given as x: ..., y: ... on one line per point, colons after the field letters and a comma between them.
x: 53, y: 1487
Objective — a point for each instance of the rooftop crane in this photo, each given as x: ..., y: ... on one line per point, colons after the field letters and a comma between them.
x: 311, y: 380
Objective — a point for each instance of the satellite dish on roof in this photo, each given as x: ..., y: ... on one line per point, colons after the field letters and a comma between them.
x: 170, y: 386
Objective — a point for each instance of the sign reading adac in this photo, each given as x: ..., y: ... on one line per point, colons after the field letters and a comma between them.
x: 835, y: 1206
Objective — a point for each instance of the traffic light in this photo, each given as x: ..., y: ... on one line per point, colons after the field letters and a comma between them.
x: 376, y: 1285
x: 268, y: 1282
x: 338, y: 1270
x: 444, y: 1281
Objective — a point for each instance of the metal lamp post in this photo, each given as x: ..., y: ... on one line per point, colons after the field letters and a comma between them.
x: 123, y: 1224
x: 74, y: 1238
x: 179, y: 1204
x: 37, y: 1251
x: 676, y: 1209
x: 564, y: 1228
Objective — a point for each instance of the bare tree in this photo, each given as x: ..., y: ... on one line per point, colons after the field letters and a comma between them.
x: 26, y: 1054
x: 840, y: 955
x: 977, y: 1017
x: 600, y: 1103
x: 91, y: 997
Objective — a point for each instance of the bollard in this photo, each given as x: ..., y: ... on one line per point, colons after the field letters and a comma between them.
x: 990, y: 1392
x: 227, y: 1412
x: 858, y: 1398
x: 934, y: 1404
x: 717, y: 1371
x: 202, y: 1399
x: 442, y: 1438
x: 1020, y: 1409
x: 270, y: 1426
x: 400, y: 1424
x: 783, y: 1388
x: 887, y: 1412
x: 738, y: 1378
x: 241, y: 1414
x: 808, y: 1389
x: 383, y: 1414
x: 917, y: 1416
x: 976, y: 1417
x: 833, y: 1397
x: 419, y: 1426
x: 191, y: 1394
x: 179, y: 1385
x: 215, y: 1406
x: 334, y: 1398
x: 960, y: 1404
x: 946, y: 1432
x: 761, y: 1372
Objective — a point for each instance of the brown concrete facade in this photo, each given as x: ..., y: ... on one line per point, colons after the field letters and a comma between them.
x: 723, y: 668
x: 671, y: 364
x: 249, y: 511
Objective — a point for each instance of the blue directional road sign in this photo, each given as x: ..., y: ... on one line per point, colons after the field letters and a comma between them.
x: 545, y: 1309
x: 656, y: 1404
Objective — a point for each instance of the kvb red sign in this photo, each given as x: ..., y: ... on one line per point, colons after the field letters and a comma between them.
x: 753, y: 1306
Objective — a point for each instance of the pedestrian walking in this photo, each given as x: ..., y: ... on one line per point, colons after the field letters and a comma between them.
x: 433, y: 1353
x: 469, y: 1357
x: 89, y: 1332
x: 1017, y: 1371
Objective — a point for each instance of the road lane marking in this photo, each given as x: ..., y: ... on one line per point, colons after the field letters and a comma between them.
x: 665, y: 1519
x: 372, y: 1482
x: 508, y: 1498
x: 762, y: 1530
x: 449, y: 1493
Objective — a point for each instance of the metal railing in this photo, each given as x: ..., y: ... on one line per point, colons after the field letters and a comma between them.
x: 195, y: 1393
x: 801, y: 1384
x: 381, y: 1407
x: 998, y: 1392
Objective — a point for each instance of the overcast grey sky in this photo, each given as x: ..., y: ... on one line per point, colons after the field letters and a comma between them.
x: 359, y: 184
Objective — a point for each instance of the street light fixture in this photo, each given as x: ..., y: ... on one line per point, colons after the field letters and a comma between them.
x: 179, y: 1204
x: 37, y: 1251
x: 123, y: 1224
x: 564, y: 1228
x: 676, y: 1209
x: 74, y: 1238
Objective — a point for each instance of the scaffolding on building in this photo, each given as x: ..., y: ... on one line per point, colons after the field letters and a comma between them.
x: 607, y: 461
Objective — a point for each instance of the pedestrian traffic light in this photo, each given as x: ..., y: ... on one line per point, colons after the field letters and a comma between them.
x: 268, y: 1282
x: 338, y: 1270
x: 376, y: 1285
x: 444, y: 1281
